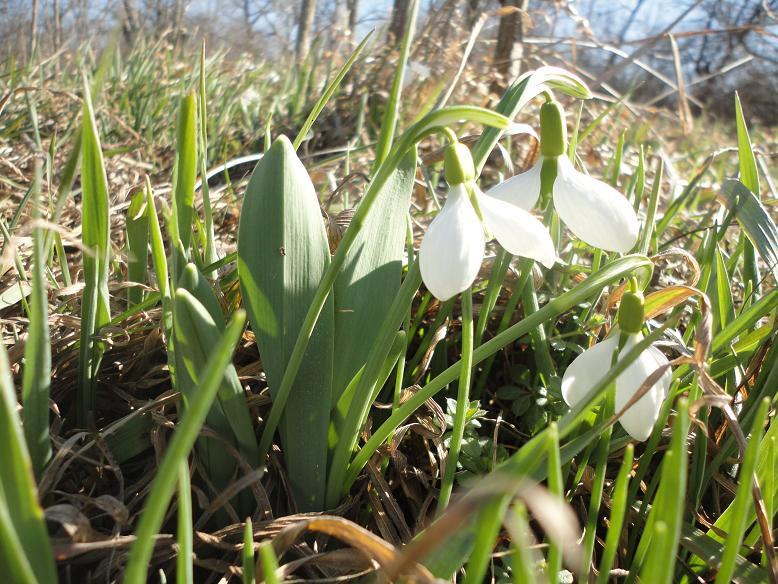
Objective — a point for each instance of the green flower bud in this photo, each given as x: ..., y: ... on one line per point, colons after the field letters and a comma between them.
x: 631, y: 311
x: 548, y: 174
x: 458, y: 164
x: 553, y: 129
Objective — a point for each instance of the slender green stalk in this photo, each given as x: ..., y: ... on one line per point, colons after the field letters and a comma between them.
x: 556, y: 487
x: 463, y: 402
x: 184, y: 566
x: 183, y: 439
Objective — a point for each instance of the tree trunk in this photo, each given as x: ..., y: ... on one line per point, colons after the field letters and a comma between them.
x: 34, y: 29
x: 353, y: 13
x: 399, y: 20
x: 304, y: 27
x: 510, y: 38
x: 473, y: 11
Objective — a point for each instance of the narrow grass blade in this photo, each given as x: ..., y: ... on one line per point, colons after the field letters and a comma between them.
x: 521, y: 542
x: 209, y: 253
x: 184, y: 566
x: 749, y: 176
x: 183, y: 439
x: 282, y: 255
x: 36, y: 379
x: 329, y: 92
x: 669, y: 504
x: 618, y: 514
x: 389, y: 123
x: 95, y: 310
x: 556, y: 487
x: 18, y: 495
x: 137, y: 235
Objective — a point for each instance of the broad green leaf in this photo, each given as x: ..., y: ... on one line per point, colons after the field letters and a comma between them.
x: 95, y: 310
x: 18, y: 494
x: 282, y: 255
x: 137, y: 230
x: 187, y: 429
x: 36, y: 381
x: 371, y: 275
x: 754, y: 219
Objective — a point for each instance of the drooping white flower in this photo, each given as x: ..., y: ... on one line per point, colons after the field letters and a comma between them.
x: 589, y: 367
x: 593, y: 210
x: 453, y: 247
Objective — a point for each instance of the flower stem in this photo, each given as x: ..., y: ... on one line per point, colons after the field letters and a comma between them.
x: 463, y: 402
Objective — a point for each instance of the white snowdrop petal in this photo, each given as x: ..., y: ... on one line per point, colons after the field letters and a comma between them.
x: 522, y: 190
x: 594, y: 211
x: 453, y: 247
x: 640, y: 418
x: 587, y: 369
x: 517, y: 231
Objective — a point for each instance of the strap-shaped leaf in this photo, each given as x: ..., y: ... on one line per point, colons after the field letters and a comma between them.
x: 137, y: 228
x: 196, y: 333
x: 282, y: 255
x: 371, y: 275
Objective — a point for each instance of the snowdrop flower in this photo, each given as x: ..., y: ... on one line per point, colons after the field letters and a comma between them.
x: 453, y: 247
x: 589, y: 367
x: 594, y: 211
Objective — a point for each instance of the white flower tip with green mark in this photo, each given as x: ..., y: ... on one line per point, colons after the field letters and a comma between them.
x: 453, y: 247
x: 586, y: 370
x: 594, y: 211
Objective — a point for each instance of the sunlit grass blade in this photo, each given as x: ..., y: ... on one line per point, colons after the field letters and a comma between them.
x: 36, y: 379
x: 137, y: 233
x: 95, y: 309
x: 20, y: 512
x: 187, y: 429
x: 749, y: 176
x: 556, y: 486
x: 269, y: 563
x: 669, y: 505
x: 209, y: 253
x: 184, y: 176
